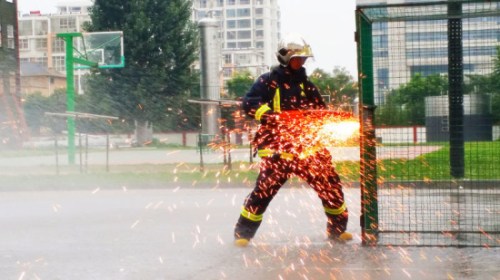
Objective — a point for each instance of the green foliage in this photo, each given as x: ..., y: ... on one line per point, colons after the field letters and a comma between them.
x: 239, y: 84
x: 406, y: 104
x: 161, y: 44
x: 489, y: 84
x: 339, y: 86
x: 36, y: 105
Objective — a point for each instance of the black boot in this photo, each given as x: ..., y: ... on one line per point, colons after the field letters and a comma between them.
x: 245, y: 230
x: 336, y: 227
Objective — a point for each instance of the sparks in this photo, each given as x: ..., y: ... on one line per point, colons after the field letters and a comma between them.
x: 334, y: 132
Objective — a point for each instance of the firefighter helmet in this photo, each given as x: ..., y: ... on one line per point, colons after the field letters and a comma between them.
x: 292, y: 45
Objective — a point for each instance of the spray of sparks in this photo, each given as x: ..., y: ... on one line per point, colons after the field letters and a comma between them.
x: 306, y: 132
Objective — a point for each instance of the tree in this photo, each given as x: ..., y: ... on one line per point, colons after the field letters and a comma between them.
x: 239, y: 84
x: 36, y: 105
x: 34, y: 108
x: 161, y: 44
x: 408, y: 101
x: 489, y: 84
x: 339, y: 86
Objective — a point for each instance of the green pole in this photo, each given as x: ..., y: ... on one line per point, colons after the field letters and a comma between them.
x: 368, y: 163
x: 70, y: 93
x: 70, y: 88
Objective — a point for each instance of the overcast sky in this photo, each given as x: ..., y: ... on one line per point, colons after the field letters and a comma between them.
x: 327, y: 25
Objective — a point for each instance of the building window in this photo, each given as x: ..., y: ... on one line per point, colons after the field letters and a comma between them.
x: 76, y: 9
x: 41, y: 27
x: 244, y: 45
x: 231, y: 45
x: 58, y: 45
x: 230, y: 24
x: 244, y: 23
x: 41, y: 44
x: 10, y: 36
x: 259, y: 23
x: 25, y: 28
x: 259, y: 34
x: 244, y: 34
x: 10, y: 31
x: 383, y: 78
x: 231, y: 35
x: 380, y: 42
x: 24, y: 44
x: 59, y: 63
x: 67, y: 23
x: 379, y: 26
x: 220, y: 3
x: 202, y: 14
x: 243, y: 12
x: 231, y: 13
x: 259, y: 11
x: 228, y: 59
x: 203, y: 3
x: 244, y: 2
x: 259, y: 44
x: 231, y: 2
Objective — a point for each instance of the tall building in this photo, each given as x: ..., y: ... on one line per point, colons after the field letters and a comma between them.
x: 402, y: 49
x: 249, y: 32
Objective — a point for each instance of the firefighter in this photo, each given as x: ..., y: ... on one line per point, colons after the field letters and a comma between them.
x: 286, y: 88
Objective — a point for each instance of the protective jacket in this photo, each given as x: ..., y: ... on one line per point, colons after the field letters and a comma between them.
x: 279, y: 90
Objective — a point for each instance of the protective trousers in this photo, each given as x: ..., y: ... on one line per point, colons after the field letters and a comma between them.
x: 317, y: 170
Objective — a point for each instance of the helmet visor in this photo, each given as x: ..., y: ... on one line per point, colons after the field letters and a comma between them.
x: 304, y: 51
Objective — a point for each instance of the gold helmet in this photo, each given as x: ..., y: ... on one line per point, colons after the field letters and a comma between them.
x: 292, y: 45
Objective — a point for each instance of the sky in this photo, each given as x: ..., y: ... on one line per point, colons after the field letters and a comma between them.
x: 327, y: 25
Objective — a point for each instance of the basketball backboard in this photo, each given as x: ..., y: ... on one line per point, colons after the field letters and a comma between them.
x: 104, y: 48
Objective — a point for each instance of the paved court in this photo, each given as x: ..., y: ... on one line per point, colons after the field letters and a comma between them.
x: 186, y: 233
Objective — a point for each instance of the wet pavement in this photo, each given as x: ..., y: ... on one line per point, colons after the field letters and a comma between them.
x: 178, y: 232
x: 184, y: 231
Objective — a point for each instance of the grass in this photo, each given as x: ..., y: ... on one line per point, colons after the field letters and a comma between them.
x: 481, y: 163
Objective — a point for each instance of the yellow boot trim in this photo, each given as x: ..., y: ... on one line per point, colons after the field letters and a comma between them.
x: 250, y: 216
x: 337, y: 211
x: 269, y: 153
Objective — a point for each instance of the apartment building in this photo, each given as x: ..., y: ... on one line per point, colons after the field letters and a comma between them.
x: 402, y: 49
x: 37, y: 35
x: 249, y: 32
